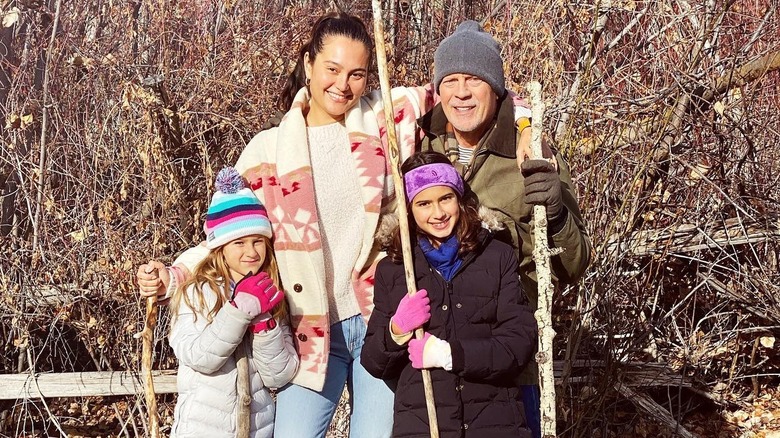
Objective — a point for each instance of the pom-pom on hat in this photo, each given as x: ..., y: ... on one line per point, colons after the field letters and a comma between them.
x: 235, y: 211
x: 470, y: 50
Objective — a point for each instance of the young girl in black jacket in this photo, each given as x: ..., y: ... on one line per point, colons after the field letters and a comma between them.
x: 479, y: 330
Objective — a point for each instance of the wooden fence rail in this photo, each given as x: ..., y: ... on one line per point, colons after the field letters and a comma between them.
x: 87, y: 384
x: 108, y: 383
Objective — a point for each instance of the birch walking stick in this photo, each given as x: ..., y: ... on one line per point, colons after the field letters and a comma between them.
x: 394, y: 153
x: 541, y: 256
x: 147, y: 353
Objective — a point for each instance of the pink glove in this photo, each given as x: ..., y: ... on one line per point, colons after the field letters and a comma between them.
x: 413, y: 311
x: 430, y: 352
x: 256, y: 294
x: 263, y: 323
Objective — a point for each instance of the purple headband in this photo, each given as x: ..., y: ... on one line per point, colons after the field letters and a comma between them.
x: 429, y: 175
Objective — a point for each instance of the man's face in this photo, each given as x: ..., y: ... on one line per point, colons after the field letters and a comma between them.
x: 469, y: 104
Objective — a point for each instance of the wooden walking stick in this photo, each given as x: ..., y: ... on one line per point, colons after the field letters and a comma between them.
x: 395, y: 164
x: 147, y: 336
x: 243, y: 421
x: 541, y: 256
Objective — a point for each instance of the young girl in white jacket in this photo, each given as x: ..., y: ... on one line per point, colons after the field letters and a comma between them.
x: 230, y: 331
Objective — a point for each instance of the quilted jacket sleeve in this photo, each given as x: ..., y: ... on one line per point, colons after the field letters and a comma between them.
x: 203, y: 346
x: 274, y: 355
x: 513, y: 339
x: 381, y: 356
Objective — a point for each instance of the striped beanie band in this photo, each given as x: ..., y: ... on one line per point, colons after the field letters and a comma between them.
x: 234, y: 212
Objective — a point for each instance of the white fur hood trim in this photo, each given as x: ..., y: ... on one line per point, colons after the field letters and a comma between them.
x: 388, y: 224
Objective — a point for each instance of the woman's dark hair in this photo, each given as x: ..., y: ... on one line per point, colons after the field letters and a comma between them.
x: 330, y: 24
x: 469, y: 224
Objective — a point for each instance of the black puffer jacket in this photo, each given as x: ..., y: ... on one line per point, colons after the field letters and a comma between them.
x: 483, y: 314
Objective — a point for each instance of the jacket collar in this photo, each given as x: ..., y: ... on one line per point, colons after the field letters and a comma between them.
x: 499, y: 138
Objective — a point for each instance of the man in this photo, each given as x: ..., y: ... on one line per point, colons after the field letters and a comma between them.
x: 474, y: 125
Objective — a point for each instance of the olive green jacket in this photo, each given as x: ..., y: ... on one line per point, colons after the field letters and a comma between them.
x: 498, y: 184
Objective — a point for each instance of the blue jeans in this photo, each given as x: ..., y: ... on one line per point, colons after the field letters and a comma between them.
x: 303, y: 413
x: 531, y: 401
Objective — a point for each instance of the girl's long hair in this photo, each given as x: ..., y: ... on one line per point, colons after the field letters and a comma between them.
x: 331, y: 24
x: 469, y: 224
x: 214, y: 272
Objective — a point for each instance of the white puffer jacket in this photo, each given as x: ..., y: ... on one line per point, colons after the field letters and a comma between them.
x: 207, y: 401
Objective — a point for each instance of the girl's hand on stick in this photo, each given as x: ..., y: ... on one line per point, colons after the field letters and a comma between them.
x: 153, y: 279
x: 413, y: 311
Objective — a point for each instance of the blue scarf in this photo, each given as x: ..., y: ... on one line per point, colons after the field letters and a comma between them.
x: 444, y: 258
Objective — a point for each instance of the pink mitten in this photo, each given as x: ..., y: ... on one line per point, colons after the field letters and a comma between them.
x: 256, y: 294
x: 430, y: 352
x: 413, y: 311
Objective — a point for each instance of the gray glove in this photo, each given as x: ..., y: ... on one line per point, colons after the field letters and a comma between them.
x: 543, y: 187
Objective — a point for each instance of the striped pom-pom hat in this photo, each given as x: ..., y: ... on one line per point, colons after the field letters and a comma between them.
x: 234, y: 212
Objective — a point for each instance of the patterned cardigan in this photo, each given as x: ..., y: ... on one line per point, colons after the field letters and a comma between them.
x: 277, y: 166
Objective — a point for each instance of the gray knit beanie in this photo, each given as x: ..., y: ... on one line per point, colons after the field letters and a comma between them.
x: 470, y: 50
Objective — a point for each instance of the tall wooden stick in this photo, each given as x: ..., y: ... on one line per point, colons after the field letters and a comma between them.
x: 243, y: 420
x: 395, y: 164
x: 541, y: 255
x: 147, y: 336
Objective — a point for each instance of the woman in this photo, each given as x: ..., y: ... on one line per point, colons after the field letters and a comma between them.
x: 479, y: 329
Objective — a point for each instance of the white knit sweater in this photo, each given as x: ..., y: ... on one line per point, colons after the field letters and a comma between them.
x: 340, y: 214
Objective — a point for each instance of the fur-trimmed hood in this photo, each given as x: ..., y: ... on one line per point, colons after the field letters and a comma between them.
x: 388, y: 224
